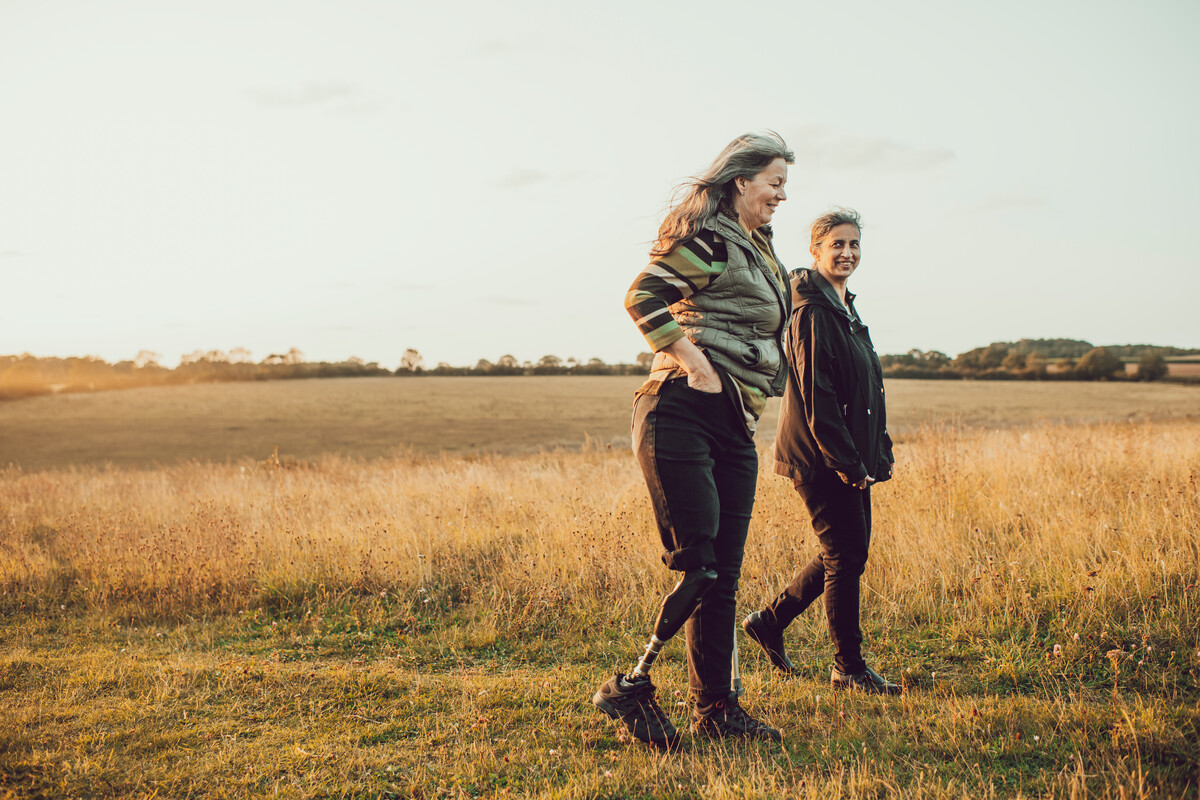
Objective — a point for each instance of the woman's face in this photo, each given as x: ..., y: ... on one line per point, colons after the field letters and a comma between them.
x: 838, y: 253
x: 756, y: 203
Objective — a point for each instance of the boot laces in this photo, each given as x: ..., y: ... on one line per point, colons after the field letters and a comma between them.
x: 737, y: 715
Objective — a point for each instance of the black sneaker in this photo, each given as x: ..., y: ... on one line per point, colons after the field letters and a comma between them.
x: 758, y: 628
x: 868, y: 681
x: 634, y: 705
x: 726, y: 717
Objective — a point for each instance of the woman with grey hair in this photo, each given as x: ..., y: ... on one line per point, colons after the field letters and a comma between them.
x: 713, y: 304
x: 834, y: 445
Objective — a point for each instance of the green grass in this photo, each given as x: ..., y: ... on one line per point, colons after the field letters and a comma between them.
x: 378, y: 697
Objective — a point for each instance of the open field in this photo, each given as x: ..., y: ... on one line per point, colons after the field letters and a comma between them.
x: 421, y: 625
x: 373, y: 417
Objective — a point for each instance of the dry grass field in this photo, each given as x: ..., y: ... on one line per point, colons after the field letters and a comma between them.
x: 372, y: 417
x: 433, y: 624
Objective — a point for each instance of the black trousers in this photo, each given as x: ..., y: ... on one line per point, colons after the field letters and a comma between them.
x: 841, y: 518
x: 701, y: 469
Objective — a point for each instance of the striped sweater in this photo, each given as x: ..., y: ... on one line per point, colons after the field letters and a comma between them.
x: 687, y: 270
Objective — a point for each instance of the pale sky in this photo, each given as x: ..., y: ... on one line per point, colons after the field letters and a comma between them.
x: 476, y: 178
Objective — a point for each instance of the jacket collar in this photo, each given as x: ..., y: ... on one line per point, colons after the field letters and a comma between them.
x: 731, y: 229
x: 810, y: 287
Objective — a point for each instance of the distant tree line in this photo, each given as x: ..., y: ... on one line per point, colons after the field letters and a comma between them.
x: 1038, y: 359
x: 27, y: 375
x: 1027, y: 359
x: 412, y: 364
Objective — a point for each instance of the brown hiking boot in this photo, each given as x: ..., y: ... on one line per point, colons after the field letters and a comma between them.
x: 760, y: 629
x: 868, y: 681
x: 726, y: 718
x: 633, y: 703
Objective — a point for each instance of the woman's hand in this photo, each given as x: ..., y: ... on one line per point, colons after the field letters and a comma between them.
x: 864, y: 483
x: 707, y: 381
x: 701, y: 374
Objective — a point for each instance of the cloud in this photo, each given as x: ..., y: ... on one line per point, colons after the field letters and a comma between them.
x: 817, y: 144
x: 14, y: 254
x: 1010, y: 202
x: 520, y: 178
x: 311, y: 94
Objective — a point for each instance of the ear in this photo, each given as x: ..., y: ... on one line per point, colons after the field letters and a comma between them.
x: 815, y: 250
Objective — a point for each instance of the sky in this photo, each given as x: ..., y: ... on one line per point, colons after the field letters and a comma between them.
x: 474, y: 179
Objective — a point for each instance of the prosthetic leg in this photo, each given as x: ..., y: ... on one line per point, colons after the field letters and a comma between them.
x: 676, y: 608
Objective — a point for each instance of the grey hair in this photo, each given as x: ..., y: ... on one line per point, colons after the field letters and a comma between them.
x: 700, y: 198
x: 836, y: 216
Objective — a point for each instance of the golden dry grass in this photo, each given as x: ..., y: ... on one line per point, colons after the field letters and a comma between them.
x: 433, y: 626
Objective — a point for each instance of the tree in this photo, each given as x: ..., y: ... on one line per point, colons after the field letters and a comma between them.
x: 147, y: 358
x: 483, y: 365
x: 644, y: 360
x: 1152, y: 367
x: 194, y: 357
x: 240, y: 355
x: 1098, y: 364
x: 549, y: 365
x: 1014, y: 361
x: 932, y: 359
x: 412, y: 361
x: 982, y: 358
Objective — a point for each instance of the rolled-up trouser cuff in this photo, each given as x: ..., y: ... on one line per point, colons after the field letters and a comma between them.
x: 688, y: 558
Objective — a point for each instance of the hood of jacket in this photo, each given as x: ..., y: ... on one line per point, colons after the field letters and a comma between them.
x: 809, y: 287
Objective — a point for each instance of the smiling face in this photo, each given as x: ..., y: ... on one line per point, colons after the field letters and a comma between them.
x: 755, y: 204
x: 838, y: 253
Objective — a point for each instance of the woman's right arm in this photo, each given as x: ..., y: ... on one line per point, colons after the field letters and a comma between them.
x: 813, y: 357
x: 701, y: 374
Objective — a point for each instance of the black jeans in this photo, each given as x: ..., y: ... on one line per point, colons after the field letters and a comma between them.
x: 841, y: 518
x: 702, y: 469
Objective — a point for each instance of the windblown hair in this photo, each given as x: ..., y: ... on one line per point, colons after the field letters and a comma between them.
x: 700, y: 198
x: 823, y: 224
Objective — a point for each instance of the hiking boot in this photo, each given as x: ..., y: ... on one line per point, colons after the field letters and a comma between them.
x: 633, y: 703
x: 760, y: 629
x: 868, y: 681
x: 726, y: 718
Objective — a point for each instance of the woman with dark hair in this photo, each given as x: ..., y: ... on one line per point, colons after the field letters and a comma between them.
x: 713, y: 304
x: 833, y: 443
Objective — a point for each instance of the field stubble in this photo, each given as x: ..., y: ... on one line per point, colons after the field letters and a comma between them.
x: 433, y: 626
x: 304, y: 420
